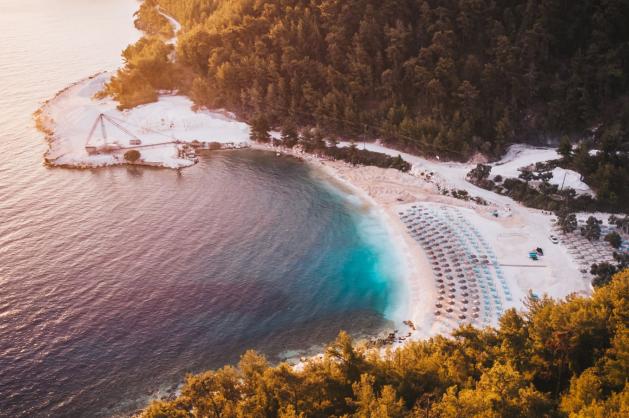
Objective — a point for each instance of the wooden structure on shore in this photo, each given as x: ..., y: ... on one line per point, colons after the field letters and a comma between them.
x: 108, y: 145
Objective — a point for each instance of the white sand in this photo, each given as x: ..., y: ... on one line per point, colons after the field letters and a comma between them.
x: 512, y: 235
x: 69, y: 117
x: 520, y: 155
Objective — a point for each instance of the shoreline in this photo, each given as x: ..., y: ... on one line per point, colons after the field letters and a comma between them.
x: 164, y: 132
x: 510, y: 229
x: 386, y: 191
x: 77, y: 98
x: 416, y: 273
x: 417, y: 277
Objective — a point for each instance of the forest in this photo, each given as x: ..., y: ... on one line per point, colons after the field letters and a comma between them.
x: 450, y: 77
x: 565, y: 358
x: 446, y: 78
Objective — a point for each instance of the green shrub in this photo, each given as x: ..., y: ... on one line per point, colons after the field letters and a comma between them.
x: 132, y: 155
x: 614, y: 239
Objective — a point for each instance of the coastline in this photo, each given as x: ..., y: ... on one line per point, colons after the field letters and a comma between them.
x: 58, y: 114
x: 388, y: 193
x: 131, y: 284
x: 162, y: 131
x: 416, y: 273
x: 510, y: 228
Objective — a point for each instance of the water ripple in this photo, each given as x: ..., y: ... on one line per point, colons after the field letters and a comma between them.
x: 116, y: 282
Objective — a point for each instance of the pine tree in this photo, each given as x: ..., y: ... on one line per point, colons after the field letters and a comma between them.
x: 259, y: 131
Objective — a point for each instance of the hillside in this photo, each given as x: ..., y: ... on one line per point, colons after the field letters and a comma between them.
x: 448, y: 77
x: 437, y: 78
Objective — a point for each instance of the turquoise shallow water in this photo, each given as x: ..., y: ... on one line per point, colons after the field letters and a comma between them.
x: 114, y: 283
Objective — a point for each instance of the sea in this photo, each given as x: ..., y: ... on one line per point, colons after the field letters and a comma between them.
x: 115, y: 283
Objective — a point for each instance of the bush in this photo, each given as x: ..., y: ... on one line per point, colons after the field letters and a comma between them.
x: 592, y: 229
x: 461, y: 194
x: 354, y: 155
x: 614, y: 239
x: 602, y: 273
x: 479, y: 173
x: 132, y: 155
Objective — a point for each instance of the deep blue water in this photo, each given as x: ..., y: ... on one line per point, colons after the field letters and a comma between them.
x: 114, y: 283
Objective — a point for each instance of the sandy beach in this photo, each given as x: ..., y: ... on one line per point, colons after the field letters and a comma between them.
x: 510, y: 229
x: 163, y: 128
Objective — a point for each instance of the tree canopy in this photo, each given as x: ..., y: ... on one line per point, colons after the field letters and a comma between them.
x: 147, y: 70
x: 444, y: 77
x: 556, y: 359
x: 437, y: 77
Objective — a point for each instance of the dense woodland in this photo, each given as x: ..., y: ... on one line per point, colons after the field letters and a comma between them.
x: 437, y: 77
x: 559, y: 359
